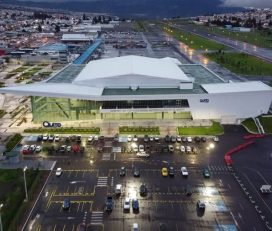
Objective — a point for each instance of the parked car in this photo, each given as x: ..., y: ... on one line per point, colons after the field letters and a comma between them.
x: 122, y: 171
x: 203, y: 139
x: 135, y: 204
x: 164, y: 171
x: 32, y: 148
x: 135, y: 227
x: 171, y: 171
x: 188, y: 190
x: 109, y: 203
x: 25, y: 149
x: 173, y: 139
x: 156, y: 138
x: 40, y: 138
x: 188, y: 149
x: 95, y: 138
x: 45, y: 137
x: 90, y: 139
x: 118, y: 189
x: 171, y: 148
x: 178, y: 139
x: 58, y: 172
x: 146, y: 138
x: 189, y: 139
x: 206, y: 173
x: 184, y: 171
x: 136, y: 172
x: 201, y: 204
x: 78, y: 138
x: 167, y: 138
x: 194, y: 150
x: 66, y: 204
x: 127, y: 204
x: 135, y: 148
x: 141, y: 148
x: 69, y: 148
x: 38, y: 148
x: 184, y: 139
x: 151, y: 138
x: 62, y: 148
x: 182, y: 148
x: 197, y: 139
x: 57, y: 138
x: 143, y: 190
x: 129, y: 138
x: 51, y: 138
x: 135, y: 138
x: 142, y: 154
x: 216, y: 139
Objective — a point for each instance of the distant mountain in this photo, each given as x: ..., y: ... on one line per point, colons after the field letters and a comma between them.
x: 135, y: 8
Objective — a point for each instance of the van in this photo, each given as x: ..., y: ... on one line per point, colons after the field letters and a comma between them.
x: 118, y: 189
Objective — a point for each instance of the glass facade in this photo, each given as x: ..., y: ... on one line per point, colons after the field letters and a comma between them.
x: 60, y: 109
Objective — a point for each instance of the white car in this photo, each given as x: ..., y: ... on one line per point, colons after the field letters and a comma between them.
x: 90, y: 139
x: 157, y: 138
x: 188, y: 149
x: 142, y: 154
x: 38, y: 148
x: 184, y: 171
x: 201, y: 204
x: 45, y: 137
x: 32, y: 147
x: 135, y: 138
x: 216, y: 139
x: 129, y: 138
x: 135, y: 148
x: 151, y: 138
x: 57, y: 138
x: 135, y: 227
x: 68, y: 148
x: 127, y: 204
x: 178, y: 139
x: 96, y: 138
x: 182, y: 148
x: 189, y: 139
x: 58, y: 172
x: 51, y: 138
x: 141, y: 148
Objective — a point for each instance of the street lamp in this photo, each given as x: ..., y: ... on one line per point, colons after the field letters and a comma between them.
x: 1, y: 226
x: 24, y: 170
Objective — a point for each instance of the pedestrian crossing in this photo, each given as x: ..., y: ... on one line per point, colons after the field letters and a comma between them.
x: 106, y: 156
x: 102, y: 181
x: 96, y: 218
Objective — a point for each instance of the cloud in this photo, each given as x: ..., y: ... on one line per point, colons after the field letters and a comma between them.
x: 248, y: 3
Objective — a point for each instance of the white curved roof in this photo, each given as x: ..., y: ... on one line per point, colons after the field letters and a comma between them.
x: 127, y: 66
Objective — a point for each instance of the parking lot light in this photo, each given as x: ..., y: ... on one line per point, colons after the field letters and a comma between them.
x: 24, y: 170
x: 1, y: 226
x: 211, y: 146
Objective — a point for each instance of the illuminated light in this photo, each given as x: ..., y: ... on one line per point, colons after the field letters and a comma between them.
x: 132, y: 193
x: 91, y: 162
x: 133, y: 145
x: 211, y: 145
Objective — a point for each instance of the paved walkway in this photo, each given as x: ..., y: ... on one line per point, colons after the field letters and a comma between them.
x: 41, y: 164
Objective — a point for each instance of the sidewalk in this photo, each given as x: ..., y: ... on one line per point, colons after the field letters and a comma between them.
x: 41, y: 164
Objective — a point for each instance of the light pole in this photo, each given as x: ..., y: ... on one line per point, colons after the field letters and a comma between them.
x: 24, y: 170
x: 1, y: 226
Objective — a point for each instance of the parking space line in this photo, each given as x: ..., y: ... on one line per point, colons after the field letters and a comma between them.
x: 64, y: 227
x: 49, y: 199
x: 78, y: 207
x: 67, y: 189
x: 83, y: 174
x: 76, y: 173
x: 69, y: 174
x: 55, y: 227
x: 73, y: 227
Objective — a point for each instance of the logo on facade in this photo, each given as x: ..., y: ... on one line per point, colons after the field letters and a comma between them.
x: 204, y: 100
x: 47, y: 124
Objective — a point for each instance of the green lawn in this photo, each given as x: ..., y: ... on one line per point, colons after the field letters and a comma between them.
x: 2, y: 84
x: 13, y: 141
x: 215, y: 129
x: 250, y: 125
x: 91, y: 130
x: 258, y: 38
x: 241, y: 63
x: 194, y: 41
x: 139, y: 130
x: 266, y: 123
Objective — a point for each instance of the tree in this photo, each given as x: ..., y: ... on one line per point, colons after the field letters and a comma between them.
x: 57, y: 28
x: 39, y: 28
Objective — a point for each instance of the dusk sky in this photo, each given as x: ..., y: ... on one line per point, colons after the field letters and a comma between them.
x: 240, y: 3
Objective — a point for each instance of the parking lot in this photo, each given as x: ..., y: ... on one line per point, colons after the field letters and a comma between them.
x: 88, y: 178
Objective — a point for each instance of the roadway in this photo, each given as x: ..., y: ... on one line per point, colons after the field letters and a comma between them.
x: 263, y: 53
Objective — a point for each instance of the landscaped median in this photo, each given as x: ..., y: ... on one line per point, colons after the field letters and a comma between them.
x: 266, y: 122
x: 72, y: 130
x: 12, y: 194
x: 213, y: 130
x: 250, y: 125
x: 139, y: 130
